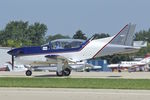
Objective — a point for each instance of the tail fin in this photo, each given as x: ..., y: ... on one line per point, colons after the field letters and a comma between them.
x: 95, y: 47
x: 126, y: 36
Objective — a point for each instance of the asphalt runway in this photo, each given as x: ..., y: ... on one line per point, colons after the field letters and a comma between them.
x: 126, y: 75
x: 75, y: 94
x: 71, y: 94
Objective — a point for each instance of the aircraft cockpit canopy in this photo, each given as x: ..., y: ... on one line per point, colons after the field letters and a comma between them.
x: 65, y: 43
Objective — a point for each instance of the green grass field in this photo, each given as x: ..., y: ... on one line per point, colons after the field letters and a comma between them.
x: 76, y: 83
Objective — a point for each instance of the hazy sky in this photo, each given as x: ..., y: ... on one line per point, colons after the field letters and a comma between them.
x: 68, y: 16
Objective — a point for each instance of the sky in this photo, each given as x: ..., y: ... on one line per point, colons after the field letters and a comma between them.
x: 68, y: 16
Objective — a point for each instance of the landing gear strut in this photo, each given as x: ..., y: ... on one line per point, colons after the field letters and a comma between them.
x: 28, y: 73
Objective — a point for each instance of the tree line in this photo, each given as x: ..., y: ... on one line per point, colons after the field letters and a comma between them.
x: 20, y: 33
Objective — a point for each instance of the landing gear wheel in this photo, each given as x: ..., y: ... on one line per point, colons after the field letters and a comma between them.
x: 28, y: 73
x: 66, y: 72
x: 59, y: 73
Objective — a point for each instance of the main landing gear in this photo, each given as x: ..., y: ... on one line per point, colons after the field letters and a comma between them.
x: 65, y: 72
x: 28, y: 73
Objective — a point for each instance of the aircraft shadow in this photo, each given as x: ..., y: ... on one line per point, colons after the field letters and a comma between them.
x: 114, y: 76
x: 47, y: 75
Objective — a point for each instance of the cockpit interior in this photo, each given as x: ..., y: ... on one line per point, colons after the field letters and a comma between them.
x: 64, y: 44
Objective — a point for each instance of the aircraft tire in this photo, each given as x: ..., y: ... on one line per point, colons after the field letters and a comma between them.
x: 28, y: 73
x: 66, y: 72
x: 59, y: 73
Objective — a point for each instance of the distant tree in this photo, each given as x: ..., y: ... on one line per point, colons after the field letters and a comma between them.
x: 143, y: 36
x: 102, y: 35
x: 13, y: 34
x: 57, y: 36
x: 36, y: 33
x: 79, y: 35
x: 19, y: 33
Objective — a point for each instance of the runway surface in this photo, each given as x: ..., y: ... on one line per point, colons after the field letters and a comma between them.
x: 132, y: 75
x: 75, y: 94
x: 71, y: 94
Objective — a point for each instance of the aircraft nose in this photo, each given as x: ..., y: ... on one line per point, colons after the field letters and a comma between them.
x: 11, y: 52
x: 16, y: 52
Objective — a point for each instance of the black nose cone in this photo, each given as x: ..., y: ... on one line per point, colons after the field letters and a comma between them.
x: 10, y: 52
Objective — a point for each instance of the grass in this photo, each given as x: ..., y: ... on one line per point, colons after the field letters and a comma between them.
x: 76, y: 83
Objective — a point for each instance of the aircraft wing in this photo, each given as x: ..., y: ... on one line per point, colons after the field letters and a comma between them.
x: 51, y: 59
x: 57, y: 57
